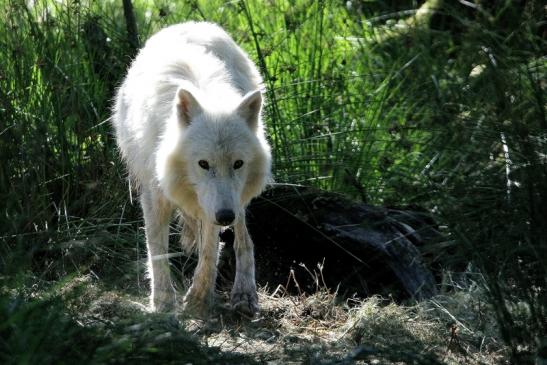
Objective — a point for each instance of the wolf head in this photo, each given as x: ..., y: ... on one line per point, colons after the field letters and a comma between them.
x: 218, y: 158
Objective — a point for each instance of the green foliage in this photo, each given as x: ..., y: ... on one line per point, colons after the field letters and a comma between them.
x: 39, y: 332
x: 47, y: 325
x: 445, y: 110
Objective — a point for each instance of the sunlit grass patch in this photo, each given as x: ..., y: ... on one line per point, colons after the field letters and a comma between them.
x: 446, y: 329
x: 450, y: 329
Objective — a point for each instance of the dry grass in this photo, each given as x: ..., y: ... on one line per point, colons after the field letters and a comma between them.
x: 454, y: 328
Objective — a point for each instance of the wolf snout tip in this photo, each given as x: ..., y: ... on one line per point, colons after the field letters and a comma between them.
x: 225, y: 217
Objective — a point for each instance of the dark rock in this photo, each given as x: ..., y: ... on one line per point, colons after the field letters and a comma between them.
x: 329, y: 240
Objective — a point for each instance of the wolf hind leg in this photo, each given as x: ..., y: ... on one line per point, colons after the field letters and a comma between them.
x: 243, y: 297
x: 157, y: 214
x: 188, y: 234
x: 199, y: 298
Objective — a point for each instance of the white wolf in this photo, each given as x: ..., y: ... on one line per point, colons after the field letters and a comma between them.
x: 188, y: 123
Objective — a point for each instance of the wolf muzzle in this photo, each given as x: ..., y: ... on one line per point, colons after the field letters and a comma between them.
x: 225, y: 217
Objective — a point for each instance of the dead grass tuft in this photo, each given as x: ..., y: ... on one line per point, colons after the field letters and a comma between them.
x: 457, y: 327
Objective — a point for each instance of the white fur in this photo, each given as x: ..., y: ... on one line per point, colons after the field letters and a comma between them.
x: 190, y: 95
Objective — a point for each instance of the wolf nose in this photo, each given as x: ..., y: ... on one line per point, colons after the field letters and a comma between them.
x: 225, y: 216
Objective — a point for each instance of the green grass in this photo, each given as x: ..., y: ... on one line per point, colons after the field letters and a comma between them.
x: 446, y: 112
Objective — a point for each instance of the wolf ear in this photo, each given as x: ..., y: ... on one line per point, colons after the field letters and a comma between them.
x: 250, y: 107
x: 187, y: 106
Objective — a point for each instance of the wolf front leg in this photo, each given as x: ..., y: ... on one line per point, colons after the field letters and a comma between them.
x: 244, y: 297
x: 200, y: 295
x: 157, y: 214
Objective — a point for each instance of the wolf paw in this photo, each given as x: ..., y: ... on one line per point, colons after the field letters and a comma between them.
x: 196, y: 307
x: 163, y: 302
x: 245, y: 302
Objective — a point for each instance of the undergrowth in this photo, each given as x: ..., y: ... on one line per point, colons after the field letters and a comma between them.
x: 438, y: 106
x: 78, y: 319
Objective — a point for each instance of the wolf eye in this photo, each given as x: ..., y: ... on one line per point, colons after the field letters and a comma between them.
x: 203, y: 164
x: 238, y: 164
